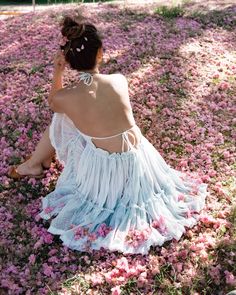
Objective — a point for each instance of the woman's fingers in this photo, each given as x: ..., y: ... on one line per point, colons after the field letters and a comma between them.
x: 59, y: 61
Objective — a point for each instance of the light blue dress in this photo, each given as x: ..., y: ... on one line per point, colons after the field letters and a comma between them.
x: 125, y: 202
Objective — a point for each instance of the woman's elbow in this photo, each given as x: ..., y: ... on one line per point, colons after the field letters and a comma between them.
x: 55, y: 108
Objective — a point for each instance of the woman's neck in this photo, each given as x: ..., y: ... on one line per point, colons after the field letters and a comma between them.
x: 94, y: 71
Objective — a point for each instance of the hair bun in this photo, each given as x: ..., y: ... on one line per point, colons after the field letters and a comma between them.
x: 71, y: 29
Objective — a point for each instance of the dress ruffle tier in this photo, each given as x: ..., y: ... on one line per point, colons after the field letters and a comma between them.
x: 123, y: 202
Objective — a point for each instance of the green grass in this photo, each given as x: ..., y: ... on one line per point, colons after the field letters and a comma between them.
x: 224, y: 18
x: 169, y: 12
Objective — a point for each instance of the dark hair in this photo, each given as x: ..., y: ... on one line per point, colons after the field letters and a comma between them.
x: 83, y: 42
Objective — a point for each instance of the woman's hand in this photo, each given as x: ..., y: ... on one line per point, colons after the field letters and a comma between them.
x: 59, y: 66
x: 59, y: 62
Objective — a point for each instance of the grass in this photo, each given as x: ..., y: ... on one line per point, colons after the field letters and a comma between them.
x: 216, y: 17
x: 170, y: 12
x: 78, y: 280
x: 130, y: 286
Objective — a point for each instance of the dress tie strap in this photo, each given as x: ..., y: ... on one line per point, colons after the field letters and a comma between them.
x: 86, y: 77
x: 125, y: 139
x: 124, y: 136
x: 112, y: 136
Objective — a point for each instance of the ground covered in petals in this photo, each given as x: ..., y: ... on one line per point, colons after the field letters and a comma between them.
x: 181, y: 71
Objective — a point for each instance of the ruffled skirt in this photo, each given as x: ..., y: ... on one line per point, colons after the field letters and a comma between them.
x: 123, y: 202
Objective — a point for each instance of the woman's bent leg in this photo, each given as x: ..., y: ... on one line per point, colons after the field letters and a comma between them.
x: 44, y: 151
x: 42, y: 156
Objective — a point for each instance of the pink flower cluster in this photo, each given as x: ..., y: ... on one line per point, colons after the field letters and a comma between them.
x: 159, y: 224
x: 49, y: 209
x: 80, y: 232
x: 230, y: 278
x: 125, y: 269
x: 103, y: 230
x: 137, y: 237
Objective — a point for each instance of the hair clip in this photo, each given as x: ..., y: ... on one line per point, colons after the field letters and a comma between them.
x: 81, y: 48
x: 85, y: 38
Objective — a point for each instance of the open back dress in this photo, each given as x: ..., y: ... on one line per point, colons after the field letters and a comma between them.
x: 127, y: 201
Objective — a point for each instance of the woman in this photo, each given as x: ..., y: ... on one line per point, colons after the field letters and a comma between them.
x: 115, y: 191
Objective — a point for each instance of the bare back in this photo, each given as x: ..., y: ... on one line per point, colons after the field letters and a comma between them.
x: 101, y: 110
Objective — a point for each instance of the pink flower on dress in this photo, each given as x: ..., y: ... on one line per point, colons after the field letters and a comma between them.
x: 92, y: 236
x: 181, y: 197
x: 195, y: 190
x: 137, y: 237
x: 48, y: 209
x: 189, y: 213
x: 160, y: 225
x: 103, y: 230
x: 79, y: 232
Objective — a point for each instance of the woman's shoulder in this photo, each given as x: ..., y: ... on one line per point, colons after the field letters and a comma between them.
x: 115, y: 76
x: 115, y: 79
x: 118, y: 75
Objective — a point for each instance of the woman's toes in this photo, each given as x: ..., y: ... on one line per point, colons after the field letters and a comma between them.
x: 47, y: 163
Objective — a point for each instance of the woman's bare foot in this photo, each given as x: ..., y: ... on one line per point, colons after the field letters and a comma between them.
x: 29, y: 168
x: 47, y: 163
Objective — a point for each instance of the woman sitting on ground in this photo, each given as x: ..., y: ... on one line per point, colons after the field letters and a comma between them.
x: 115, y: 191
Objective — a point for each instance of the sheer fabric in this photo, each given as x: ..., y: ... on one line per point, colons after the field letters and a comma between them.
x: 127, y: 201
